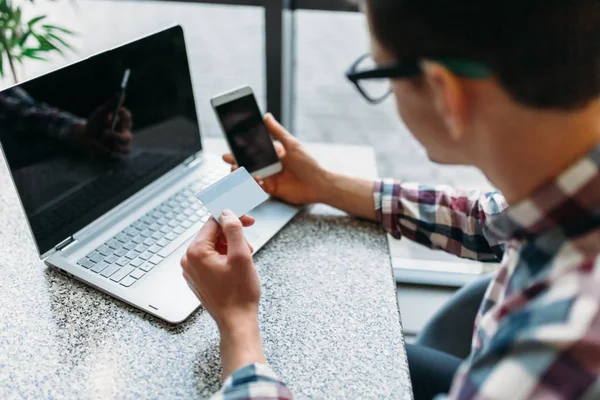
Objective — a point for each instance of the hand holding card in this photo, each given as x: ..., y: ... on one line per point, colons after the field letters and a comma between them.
x: 237, y: 192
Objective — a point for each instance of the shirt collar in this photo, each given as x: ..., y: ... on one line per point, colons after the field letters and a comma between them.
x: 572, y: 199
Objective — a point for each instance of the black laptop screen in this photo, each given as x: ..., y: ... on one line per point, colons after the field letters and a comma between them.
x: 82, y: 139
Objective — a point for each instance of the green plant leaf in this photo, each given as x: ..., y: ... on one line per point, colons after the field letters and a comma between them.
x: 37, y: 57
x: 35, y: 20
x: 58, y: 28
x: 1, y: 64
x: 32, y: 53
x: 24, y: 38
x: 60, y: 40
x: 45, y: 44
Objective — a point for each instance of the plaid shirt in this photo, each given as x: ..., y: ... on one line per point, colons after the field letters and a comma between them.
x: 537, y: 333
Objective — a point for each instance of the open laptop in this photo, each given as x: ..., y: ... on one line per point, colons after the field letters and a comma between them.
x: 119, y: 223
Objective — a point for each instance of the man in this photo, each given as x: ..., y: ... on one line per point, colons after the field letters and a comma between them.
x: 511, y: 87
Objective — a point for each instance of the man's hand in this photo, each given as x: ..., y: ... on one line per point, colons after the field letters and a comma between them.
x: 218, y: 267
x: 302, y: 180
x: 96, y: 135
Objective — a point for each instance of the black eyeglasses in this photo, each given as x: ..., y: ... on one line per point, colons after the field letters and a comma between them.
x: 372, y: 81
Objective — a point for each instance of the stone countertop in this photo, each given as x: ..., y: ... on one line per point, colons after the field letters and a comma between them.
x: 329, y: 316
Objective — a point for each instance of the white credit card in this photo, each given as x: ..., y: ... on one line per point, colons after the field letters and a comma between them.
x: 237, y: 192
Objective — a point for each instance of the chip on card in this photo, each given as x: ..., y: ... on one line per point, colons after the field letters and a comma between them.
x: 237, y: 192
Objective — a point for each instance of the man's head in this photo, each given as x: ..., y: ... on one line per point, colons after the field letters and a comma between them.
x: 544, y: 57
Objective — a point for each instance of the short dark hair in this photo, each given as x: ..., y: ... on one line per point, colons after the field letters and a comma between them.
x: 545, y: 53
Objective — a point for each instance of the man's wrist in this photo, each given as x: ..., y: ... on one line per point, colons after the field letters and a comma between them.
x: 325, y: 186
x: 241, y: 344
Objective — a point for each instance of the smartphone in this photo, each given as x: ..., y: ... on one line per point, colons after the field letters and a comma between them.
x: 246, y: 132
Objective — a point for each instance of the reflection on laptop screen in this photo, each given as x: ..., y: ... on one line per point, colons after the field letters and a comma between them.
x: 82, y: 139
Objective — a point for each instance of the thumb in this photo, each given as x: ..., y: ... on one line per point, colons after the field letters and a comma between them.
x: 279, y: 132
x: 237, y: 248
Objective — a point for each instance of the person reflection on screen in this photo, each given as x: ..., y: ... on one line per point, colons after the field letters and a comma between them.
x: 25, y: 121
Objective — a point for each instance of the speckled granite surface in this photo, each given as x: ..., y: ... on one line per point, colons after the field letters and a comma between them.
x: 329, y: 319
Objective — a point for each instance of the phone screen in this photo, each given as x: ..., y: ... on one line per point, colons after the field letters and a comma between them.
x: 247, y: 134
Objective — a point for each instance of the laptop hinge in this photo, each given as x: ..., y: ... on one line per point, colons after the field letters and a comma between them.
x: 65, y: 243
x: 192, y: 161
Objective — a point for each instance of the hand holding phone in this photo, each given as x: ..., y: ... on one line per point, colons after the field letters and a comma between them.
x: 246, y: 133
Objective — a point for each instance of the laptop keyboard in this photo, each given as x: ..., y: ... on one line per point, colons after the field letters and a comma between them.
x: 131, y: 254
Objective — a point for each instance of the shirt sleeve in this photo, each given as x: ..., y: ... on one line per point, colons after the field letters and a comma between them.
x: 23, y: 115
x: 440, y: 217
x: 254, y: 381
x: 549, y: 349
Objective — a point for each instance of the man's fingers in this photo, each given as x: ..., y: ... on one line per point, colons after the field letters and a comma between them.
x: 237, y: 247
x: 228, y: 158
x: 268, y: 185
x: 208, y: 234
x: 279, y: 132
x: 279, y: 149
x: 247, y: 221
x: 124, y: 121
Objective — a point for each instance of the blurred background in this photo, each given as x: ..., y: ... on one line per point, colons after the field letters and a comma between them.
x: 226, y: 45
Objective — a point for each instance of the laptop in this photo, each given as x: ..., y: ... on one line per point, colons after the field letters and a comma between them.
x: 119, y: 218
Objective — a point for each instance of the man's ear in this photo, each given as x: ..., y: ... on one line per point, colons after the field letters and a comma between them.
x: 449, y: 97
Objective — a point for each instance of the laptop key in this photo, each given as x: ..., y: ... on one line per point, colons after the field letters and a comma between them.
x: 123, y: 238
x: 181, y: 217
x: 171, y: 236
x: 105, y: 250
x: 157, y: 235
x: 96, y: 257
x: 128, y: 281
x: 80, y: 262
x: 120, y: 252
x: 145, y: 255
x: 173, y: 223
x: 165, y: 229
x: 149, y: 242
x: 100, y: 267
x: 122, y: 273
x: 131, y: 254
x: 163, y: 242
x: 137, y: 262
x: 138, y: 273
x: 187, y: 224
x: 87, y: 264
x: 146, y: 266
x: 121, y: 262
x: 129, y: 245
x: 154, y: 249
x: 107, y: 272
x: 162, y: 221
x: 146, y: 234
x: 111, y: 259
x: 138, y: 239
x: 154, y: 227
x: 155, y: 259
x: 113, y: 244
x: 179, y: 230
x: 140, y: 248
